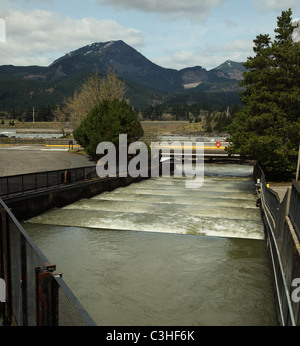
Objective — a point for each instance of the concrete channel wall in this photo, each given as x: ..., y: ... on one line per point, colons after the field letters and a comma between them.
x: 284, y: 250
x: 30, y: 205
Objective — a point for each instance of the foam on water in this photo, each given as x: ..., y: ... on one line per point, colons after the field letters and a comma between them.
x: 224, y: 207
x: 148, y: 222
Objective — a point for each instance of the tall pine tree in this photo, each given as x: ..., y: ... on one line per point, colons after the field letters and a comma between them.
x: 268, y: 126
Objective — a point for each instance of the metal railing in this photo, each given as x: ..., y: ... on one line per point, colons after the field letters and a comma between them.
x: 271, y: 197
x: 25, y: 183
x: 294, y: 212
x: 281, y: 221
x: 273, y: 201
x: 34, y: 294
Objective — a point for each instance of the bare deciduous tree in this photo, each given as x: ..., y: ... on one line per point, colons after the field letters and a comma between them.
x: 60, y: 119
x: 91, y: 93
x: 111, y: 87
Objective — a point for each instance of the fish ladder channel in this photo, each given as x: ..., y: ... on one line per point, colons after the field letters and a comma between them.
x: 157, y: 253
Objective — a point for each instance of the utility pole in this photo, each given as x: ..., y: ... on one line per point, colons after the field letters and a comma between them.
x: 33, y: 113
x: 298, y: 165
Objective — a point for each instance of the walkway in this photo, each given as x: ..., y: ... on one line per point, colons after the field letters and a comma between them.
x: 22, y: 159
x: 280, y: 188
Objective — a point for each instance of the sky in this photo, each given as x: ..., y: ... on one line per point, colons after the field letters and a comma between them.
x: 173, y: 34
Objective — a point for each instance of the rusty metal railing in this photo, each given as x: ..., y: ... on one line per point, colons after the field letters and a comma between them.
x: 34, y: 294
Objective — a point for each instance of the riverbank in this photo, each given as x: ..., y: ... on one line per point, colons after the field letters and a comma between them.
x: 152, y: 127
x: 49, y: 132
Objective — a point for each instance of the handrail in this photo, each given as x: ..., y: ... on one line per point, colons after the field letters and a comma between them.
x: 26, y: 270
x: 19, y: 184
x: 294, y: 212
x: 281, y: 220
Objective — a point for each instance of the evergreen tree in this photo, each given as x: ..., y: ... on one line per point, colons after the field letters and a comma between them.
x: 268, y: 126
x: 105, y: 122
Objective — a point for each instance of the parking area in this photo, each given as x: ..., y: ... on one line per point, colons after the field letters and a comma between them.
x: 29, y: 159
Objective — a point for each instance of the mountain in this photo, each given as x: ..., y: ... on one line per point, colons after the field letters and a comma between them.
x: 143, y: 77
x: 129, y: 64
x: 231, y: 70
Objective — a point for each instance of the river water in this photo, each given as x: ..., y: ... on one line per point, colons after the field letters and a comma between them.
x: 158, y: 253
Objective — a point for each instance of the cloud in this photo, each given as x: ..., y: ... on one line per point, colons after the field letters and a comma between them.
x: 178, y: 60
x: 209, y: 56
x: 34, y: 37
x: 230, y: 23
x: 238, y: 50
x: 296, y: 33
x: 175, y: 8
x: 2, y: 30
x: 276, y: 5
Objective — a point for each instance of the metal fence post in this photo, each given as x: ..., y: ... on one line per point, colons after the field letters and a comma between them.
x: 46, y: 296
x: 24, y: 280
x: 6, y: 266
x: 2, y: 312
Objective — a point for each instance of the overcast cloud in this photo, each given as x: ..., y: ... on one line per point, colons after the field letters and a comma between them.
x: 276, y: 4
x: 37, y: 37
x: 173, y: 34
x: 188, y: 9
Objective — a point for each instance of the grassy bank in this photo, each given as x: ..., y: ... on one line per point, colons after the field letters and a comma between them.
x: 157, y: 126
x: 27, y: 125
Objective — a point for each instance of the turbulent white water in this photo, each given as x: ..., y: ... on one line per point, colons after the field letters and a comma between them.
x: 224, y: 206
